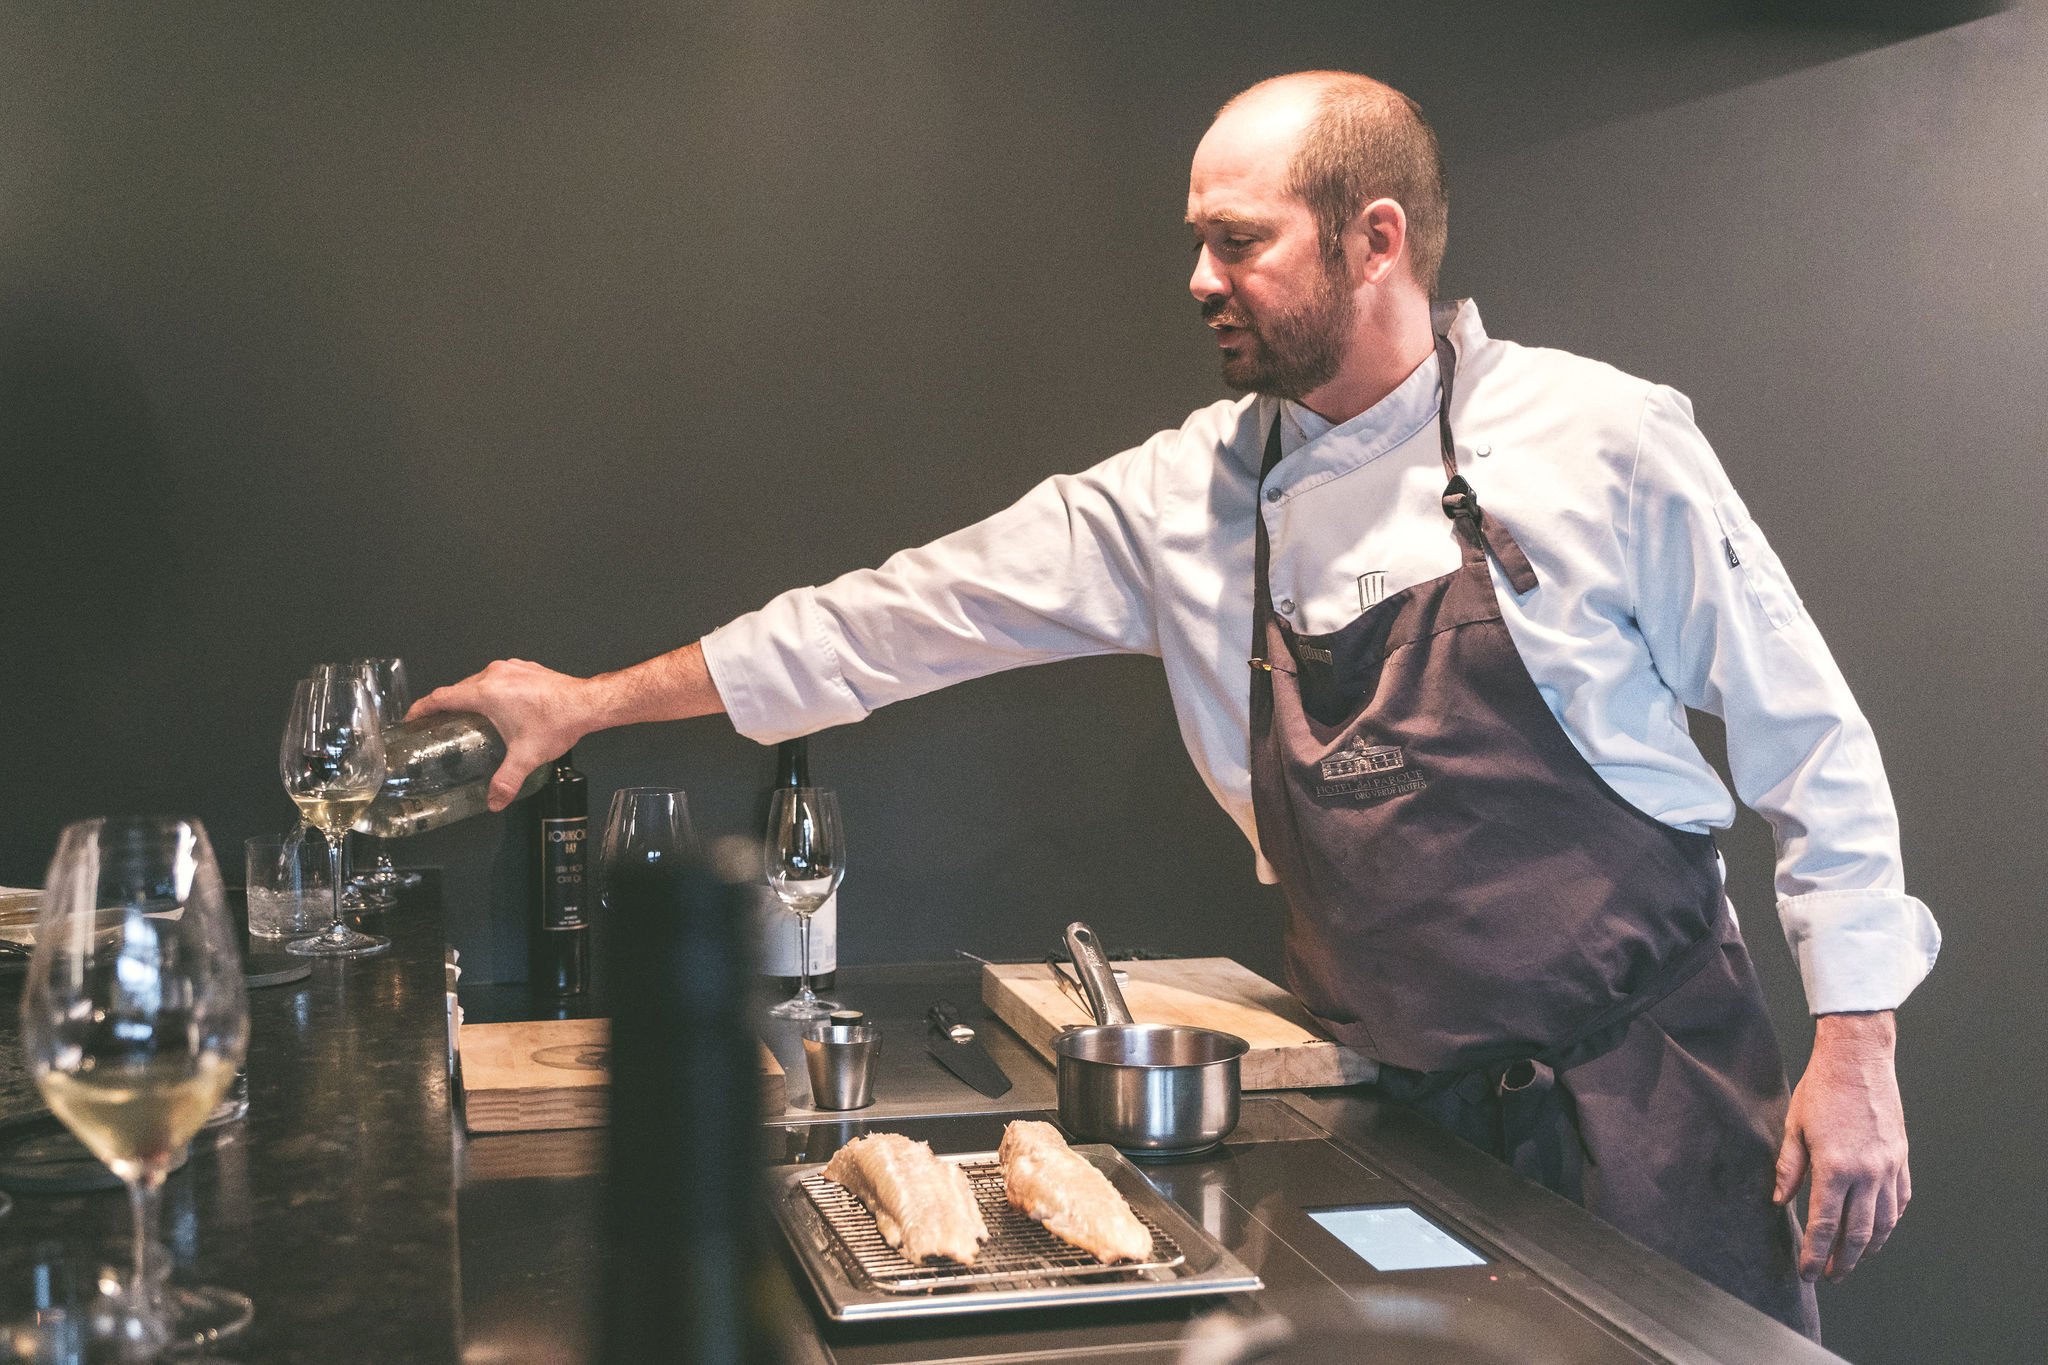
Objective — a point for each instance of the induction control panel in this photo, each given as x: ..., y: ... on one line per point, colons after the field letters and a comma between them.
x: 1395, y: 1237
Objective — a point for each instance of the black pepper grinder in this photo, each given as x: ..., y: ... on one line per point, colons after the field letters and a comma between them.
x: 692, y: 1273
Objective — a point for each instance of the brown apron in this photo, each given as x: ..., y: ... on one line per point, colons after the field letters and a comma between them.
x: 1537, y: 964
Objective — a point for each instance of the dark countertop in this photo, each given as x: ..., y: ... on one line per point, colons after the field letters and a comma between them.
x: 332, y: 1204
x: 530, y: 1205
x: 367, y: 1228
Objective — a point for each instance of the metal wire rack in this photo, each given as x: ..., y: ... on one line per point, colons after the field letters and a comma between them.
x: 1019, y: 1251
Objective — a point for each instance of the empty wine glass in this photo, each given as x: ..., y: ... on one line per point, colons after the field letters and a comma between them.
x: 386, y: 681
x: 332, y: 762
x: 804, y: 855
x: 134, y: 1021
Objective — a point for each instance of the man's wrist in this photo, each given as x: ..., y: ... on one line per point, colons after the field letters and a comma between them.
x: 1868, y: 1032
x: 586, y: 702
x: 608, y: 700
x: 672, y: 686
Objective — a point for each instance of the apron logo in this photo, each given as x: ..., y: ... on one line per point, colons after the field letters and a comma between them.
x: 1372, y: 589
x: 1369, y: 772
x: 1310, y: 654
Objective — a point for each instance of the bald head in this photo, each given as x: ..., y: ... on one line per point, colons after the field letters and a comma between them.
x: 1350, y: 140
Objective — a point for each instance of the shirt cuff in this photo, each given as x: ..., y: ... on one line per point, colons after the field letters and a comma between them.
x: 1859, y: 950
x: 777, y: 671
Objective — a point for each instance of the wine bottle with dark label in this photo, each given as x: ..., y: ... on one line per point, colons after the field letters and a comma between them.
x: 779, y: 940
x: 561, y: 948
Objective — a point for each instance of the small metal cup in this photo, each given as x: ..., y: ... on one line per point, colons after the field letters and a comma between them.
x: 841, y: 1060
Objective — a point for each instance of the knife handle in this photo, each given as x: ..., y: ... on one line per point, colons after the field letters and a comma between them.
x: 943, y: 1015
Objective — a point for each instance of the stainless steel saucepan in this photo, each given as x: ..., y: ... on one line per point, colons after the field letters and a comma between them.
x: 1149, y: 1089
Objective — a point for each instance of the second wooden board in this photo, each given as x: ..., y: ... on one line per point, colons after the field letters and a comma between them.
x: 555, y: 1073
x: 1288, y: 1051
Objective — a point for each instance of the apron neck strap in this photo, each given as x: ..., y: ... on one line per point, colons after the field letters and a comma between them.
x: 1460, y: 503
x: 1440, y: 314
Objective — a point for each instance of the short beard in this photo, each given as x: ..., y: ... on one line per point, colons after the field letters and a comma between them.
x: 1294, y: 353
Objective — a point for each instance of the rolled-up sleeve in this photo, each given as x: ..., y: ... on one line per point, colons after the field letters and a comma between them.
x: 1730, y: 636
x: 1060, y: 574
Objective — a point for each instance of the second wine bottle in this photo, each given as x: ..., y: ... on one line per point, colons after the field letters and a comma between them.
x: 561, y: 947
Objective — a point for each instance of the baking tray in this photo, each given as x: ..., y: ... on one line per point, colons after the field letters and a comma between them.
x: 858, y: 1278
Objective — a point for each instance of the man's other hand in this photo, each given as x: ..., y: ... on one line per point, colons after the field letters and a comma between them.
x: 538, y: 711
x: 1847, y: 1130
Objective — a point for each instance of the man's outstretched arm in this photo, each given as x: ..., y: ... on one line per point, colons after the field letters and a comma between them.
x: 541, y: 712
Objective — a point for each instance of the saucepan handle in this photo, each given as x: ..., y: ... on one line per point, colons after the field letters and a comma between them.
x: 1096, y: 977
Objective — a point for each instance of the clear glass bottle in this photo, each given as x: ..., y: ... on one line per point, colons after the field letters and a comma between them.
x: 437, y: 770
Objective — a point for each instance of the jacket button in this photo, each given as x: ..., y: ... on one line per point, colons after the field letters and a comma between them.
x: 1274, y: 495
x: 1285, y: 606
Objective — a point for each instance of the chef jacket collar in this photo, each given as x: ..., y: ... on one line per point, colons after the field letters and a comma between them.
x: 1320, y: 452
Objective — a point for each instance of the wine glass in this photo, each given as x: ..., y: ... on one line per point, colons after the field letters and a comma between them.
x: 332, y: 762
x: 134, y: 1020
x: 645, y: 829
x: 386, y: 681
x: 644, y: 826
x: 805, y: 858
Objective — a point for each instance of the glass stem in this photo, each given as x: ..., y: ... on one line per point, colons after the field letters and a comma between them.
x: 803, y: 959
x: 337, y: 929
x: 143, y: 1199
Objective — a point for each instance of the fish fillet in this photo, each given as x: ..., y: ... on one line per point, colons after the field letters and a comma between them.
x: 1056, y: 1185
x: 923, y: 1206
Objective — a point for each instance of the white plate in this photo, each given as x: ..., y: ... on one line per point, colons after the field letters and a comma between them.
x: 19, y: 908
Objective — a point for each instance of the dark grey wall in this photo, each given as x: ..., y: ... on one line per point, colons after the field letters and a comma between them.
x: 571, y: 331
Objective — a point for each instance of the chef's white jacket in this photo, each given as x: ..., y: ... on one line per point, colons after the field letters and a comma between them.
x: 1657, y: 592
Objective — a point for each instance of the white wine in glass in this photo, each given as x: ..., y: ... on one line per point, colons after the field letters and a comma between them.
x: 134, y: 1021
x: 135, y: 1115
x: 324, y: 812
x: 332, y: 763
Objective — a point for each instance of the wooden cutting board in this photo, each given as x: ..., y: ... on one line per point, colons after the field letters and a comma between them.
x: 553, y: 1073
x: 1289, y: 1052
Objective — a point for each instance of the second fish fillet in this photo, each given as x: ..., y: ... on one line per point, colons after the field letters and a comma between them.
x: 923, y: 1206
x: 1056, y: 1185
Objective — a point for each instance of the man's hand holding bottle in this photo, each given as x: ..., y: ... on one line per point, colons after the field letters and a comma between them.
x: 541, y: 713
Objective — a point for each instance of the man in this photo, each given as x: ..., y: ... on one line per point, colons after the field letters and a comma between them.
x: 1468, y: 767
